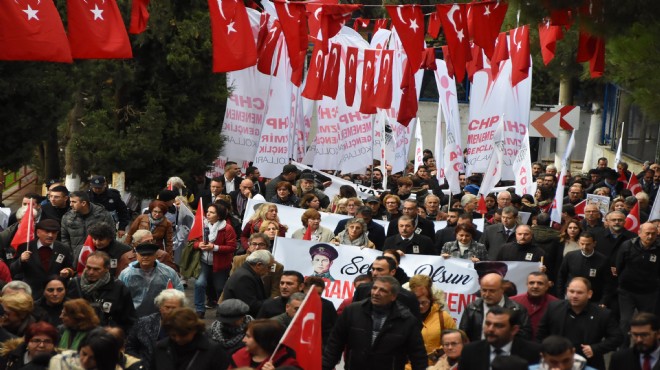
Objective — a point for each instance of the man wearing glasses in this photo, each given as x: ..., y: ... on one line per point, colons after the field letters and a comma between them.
x: 645, y: 353
x: 271, y: 280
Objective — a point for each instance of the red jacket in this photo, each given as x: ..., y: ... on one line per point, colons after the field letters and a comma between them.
x: 243, y: 358
x: 226, y: 242
x: 535, y: 312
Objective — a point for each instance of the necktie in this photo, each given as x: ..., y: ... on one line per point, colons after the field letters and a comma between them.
x: 498, y: 352
x: 507, y: 232
x: 647, y: 362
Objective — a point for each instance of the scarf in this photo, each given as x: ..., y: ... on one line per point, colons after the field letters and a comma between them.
x: 213, y: 229
x: 228, y: 335
x: 88, y: 287
x: 361, y: 241
x: 153, y: 223
x: 75, y: 343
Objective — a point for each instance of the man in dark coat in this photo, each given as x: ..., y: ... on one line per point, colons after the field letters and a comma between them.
x: 408, y: 242
x: 103, y: 238
x: 523, y: 249
x: 422, y: 226
x: 58, y: 203
x: 245, y: 284
x: 645, y: 353
x: 495, y: 236
x: 500, y: 329
x: 289, y: 173
x: 377, y: 333
x: 110, y: 199
x: 110, y: 298
x: 592, y: 329
x: 41, y: 258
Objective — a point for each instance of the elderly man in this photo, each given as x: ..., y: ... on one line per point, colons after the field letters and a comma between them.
x: 291, y: 282
x: 110, y: 298
x: 503, y: 199
x: 147, y: 277
x: 308, y: 185
x: 496, y: 235
x: 258, y: 241
x: 377, y: 333
x: 407, y: 242
x: 593, y: 219
x: 492, y: 295
x: 139, y: 237
x: 292, y: 305
x: 241, y: 196
x: 77, y: 221
x: 41, y: 258
x: 246, y: 284
x: 536, y: 299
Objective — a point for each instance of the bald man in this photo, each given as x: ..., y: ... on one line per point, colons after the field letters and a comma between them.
x: 492, y: 294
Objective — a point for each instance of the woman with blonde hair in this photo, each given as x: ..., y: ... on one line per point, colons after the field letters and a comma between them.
x: 352, y: 206
x: 431, y: 306
x: 18, y: 316
x: 265, y: 212
x: 78, y: 319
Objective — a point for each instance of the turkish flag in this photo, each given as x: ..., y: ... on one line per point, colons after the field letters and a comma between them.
x: 520, y: 60
x: 332, y: 70
x: 623, y: 179
x: 383, y: 95
x: 139, y: 16
x: 485, y: 23
x: 597, y: 61
x: 633, y: 185
x: 428, y: 59
x: 314, y: 79
x: 579, y: 208
x: 454, y: 25
x: 380, y: 23
x: 434, y: 25
x: 360, y: 23
x: 561, y: 17
x: 303, y: 335
x: 481, y: 205
x: 447, y: 59
x: 234, y: 47
x: 548, y: 36
x: 87, y: 249
x: 500, y: 54
x: 314, y: 22
x: 477, y: 62
x: 97, y: 30
x: 197, y: 229
x: 293, y: 19
x: 267, y: 50
x: 408, y: 105
x: 262, y: 35
x: 633, y: 220
x: 32, y: 30
x: 409, y: 23
x: 351, y: 75
x: 333, y: 17
x: 25, y: 231
x: 368, y: 74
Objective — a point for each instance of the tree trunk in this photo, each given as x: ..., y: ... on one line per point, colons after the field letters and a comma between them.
x: 72, y: 165
x: 51, y: 159
x: 565, y: 98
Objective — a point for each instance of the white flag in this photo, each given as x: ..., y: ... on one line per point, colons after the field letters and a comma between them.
x: 557, y: 204
x: 494, y: 172
x: 451, y: 156
x: 522, y: 168
x: 617, y: 157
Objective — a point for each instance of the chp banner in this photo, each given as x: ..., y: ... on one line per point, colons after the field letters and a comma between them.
x: 456, y: 277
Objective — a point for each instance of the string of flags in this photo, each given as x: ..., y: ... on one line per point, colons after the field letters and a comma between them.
x: 34, y: 31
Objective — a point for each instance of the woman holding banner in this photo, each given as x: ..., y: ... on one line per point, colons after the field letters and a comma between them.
x: 312, y: 229
x: 266, y: 211
x: 355, y: 234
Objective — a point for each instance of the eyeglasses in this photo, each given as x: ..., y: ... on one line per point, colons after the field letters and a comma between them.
x: 258, y: 244
x: 451, y: 344
x: 50, y: 290
x: 41, y: 341
x: 640, y: 335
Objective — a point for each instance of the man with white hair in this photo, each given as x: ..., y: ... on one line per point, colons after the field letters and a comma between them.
x: 246, y: 284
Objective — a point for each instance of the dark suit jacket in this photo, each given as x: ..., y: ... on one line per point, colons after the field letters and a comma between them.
x: 233, y: 195
x: 424, y: 227
x: 424, y: 245
x: 32, y: 272
x: 627, y: 358
x: 476, y: 355
x: 493, y: 238
x: 472, y: 320
x: 376, y: 232
x: 246, y: 285
x: 603, y: 333
x: 405, y: 297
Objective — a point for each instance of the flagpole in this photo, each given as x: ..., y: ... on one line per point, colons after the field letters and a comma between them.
x: 373, y: 133
x: 288, y: 328
x: 30, y: 217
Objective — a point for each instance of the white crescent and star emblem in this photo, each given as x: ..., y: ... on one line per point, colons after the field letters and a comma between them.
x: 318, y: 61
x: 413, y: 25
x: 366, y: 83
x: 386, y: 67
x: 351, y: 61
x: 316, y: 13
x: 98, y: 13
x: 450, y: 15
x: 31, y: 13
x: 230, y: 28
x: 398, y: 12
x: 334, y: 58
x: 487, y: 10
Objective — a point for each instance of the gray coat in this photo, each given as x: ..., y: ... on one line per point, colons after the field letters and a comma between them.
x: 75, y: 226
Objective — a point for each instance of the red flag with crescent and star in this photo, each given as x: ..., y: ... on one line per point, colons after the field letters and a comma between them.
x: 520, y: 61
x: 88, y: 248
x: 350, y: 82
x: 234, y: 47
x: 368, y: 74
x: 383, y: 95
x: 454, y: 25
x: 408, y: 21
x: 293, y: 19
x: 304, y: 333
x: 314, y: 81
x: 632, y: 220
x: 97, y: 30
x: 25, y: 231
x: 486, y: 19
x: 331, y: 78
x: 32, y: 30
x: 197, y: 229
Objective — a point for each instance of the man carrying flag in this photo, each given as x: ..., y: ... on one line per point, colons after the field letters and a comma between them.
x: 42, y: 257
x: 377, y: 333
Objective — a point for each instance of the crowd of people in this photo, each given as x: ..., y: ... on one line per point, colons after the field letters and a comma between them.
x: 123, y: 305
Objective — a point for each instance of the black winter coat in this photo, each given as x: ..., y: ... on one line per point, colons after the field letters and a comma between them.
x: 205, y: 355
x: 246, y: 285
x: 472, y: 321
x: 112, y: 302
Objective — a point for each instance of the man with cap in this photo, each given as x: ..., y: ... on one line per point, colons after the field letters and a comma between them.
x: 146, y: 278
x: 58, y: 203
x: 231, y: 324
x: 42, y: 257
x: 82, y: 215
x: 289, y: 173
x: 375, y: 232
x: 377, y: 211
x: 323, y: 255
x: 491, y: 276
x: 110, y: 199
x: 308, y: 186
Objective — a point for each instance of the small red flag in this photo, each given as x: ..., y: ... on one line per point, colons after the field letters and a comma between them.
x: 314, y: 81
x: 481, y: 205
x: 331, y: 77
x: 97, y: 30
x: 293, y: 19
x: 360, y: 23
x: 308, y: 233
x: 548, y: 36
x: 351, y: 75
x: 500, y: 54
x: 25, y: 232
x: 169, y: 284
x: 520, y: 60
x: 447, y: 58
x: 408, y: 105
x: 632, y: 220
x: 408, y: 21
x: 267, y: 50
x: 333, y: 17
x: 477, y: 62
x: 428, y: 59
x: 87, y: 249
x: 454, y: 25
x: 434, y: 25
x: 32, y: 30
x: 234, y: 47
x: 368, y: 73
x: 633, y: 185
x: 383, y: 96
x: 197, y: 229
x: 139, y: 16
x: 380, y: 23
x: 304, y: 333
x: 579, y: 208
x: 485, y: 22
